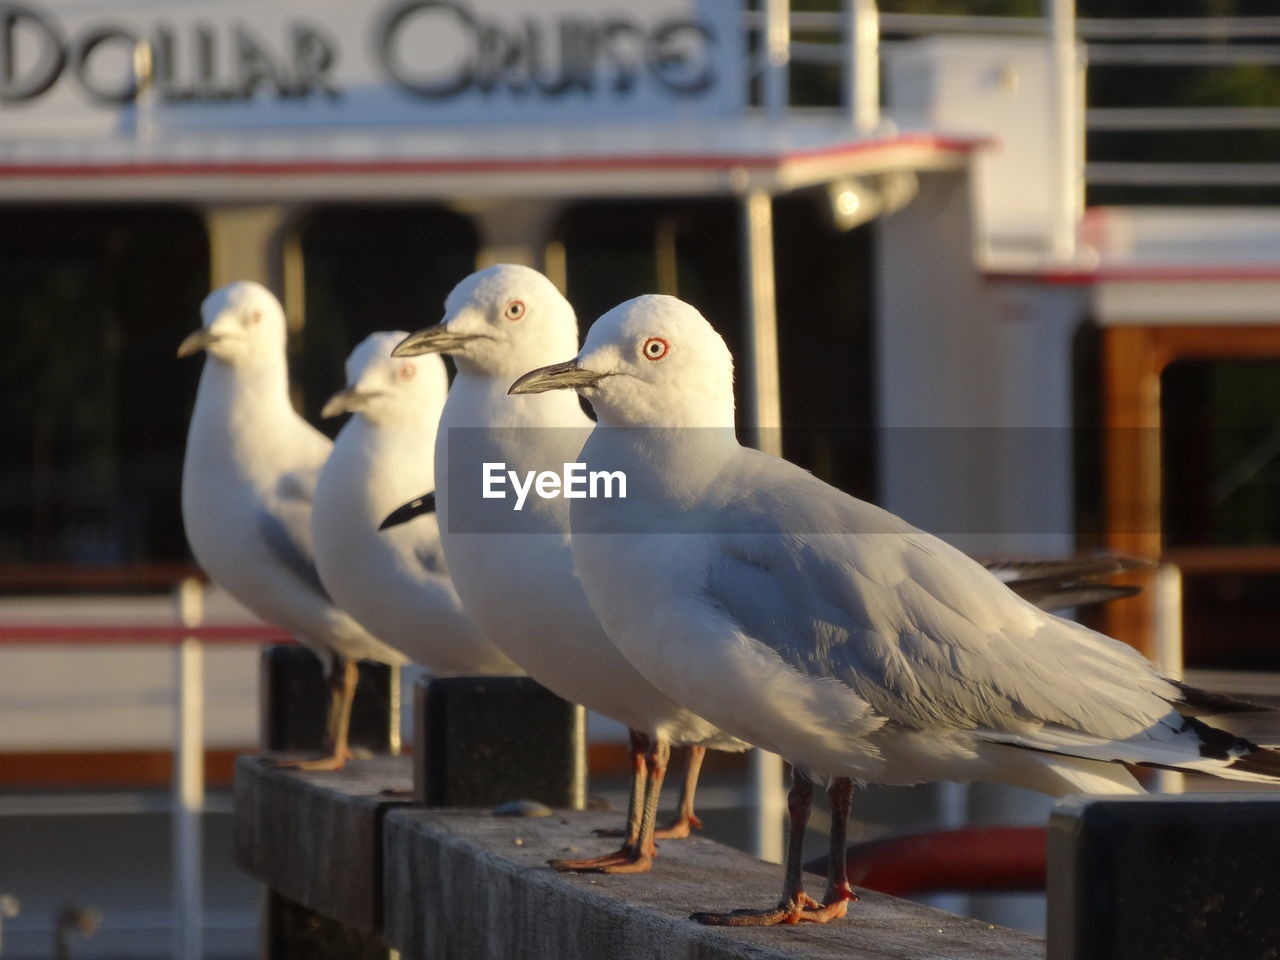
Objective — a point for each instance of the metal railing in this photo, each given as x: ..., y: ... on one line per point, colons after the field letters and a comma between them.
x: 1146, y: 42
x: 187, y: 636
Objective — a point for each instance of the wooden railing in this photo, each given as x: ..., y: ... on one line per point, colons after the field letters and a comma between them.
x: 383, y: 870
x: 361, y: 861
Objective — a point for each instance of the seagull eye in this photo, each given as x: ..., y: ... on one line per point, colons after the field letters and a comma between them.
x: 407, y: 371
x: 255, y: 317
x: 655, y: 348
x: 515, y: 310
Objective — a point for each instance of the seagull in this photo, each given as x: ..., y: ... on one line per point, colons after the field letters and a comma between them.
x: 518, y: 582
x: 248, y: 482
x: 395, y: 582
x: 829, y: 630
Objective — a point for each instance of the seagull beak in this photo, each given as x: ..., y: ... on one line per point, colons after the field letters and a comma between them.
x: 569, y: 375
x: 414, y: 508
x: 437, y: 339
x: 202, y: 339
x: 346, y: 401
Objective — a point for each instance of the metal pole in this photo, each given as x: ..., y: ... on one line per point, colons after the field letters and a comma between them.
x: 862, y: 65
x: 764, y: 404
x: 777, y: 57
x: 764, y: 412
x: 1068, y: 157
x: 144, y: 94
x: 188, y: 778
x: 1168, y: 636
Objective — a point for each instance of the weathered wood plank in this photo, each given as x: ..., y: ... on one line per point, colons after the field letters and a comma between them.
x: 316, y: 838
x: 468, y: 885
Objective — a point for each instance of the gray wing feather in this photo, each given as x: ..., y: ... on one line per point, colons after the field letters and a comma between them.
x: 286, y: 530
x: 1066, y: 582
x: 916, y: 628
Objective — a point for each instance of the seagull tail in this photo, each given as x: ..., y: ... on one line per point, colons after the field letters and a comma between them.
x: 1262, y: 764
x: 1225, y: 755
x: 1256, y: 722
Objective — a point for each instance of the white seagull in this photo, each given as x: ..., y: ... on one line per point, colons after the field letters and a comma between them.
x: 394, y: 582
x: 517, y: 581
x: 248, y: 481
x: 831, y: 631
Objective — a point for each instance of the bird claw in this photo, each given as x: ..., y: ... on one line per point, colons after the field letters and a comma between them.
x: 679, y: 828
x: 620, y: 861
x: 803, y: 909
x: 332, y: 761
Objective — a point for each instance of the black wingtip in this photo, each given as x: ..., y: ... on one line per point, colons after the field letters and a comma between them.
x: 414, y: 508
x: 1195, y: 702
x: 1260, y: 761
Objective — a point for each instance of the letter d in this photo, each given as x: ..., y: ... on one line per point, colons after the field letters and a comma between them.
x: 48, y: 66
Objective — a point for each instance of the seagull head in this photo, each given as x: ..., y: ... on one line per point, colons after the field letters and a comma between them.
x: 499, y: 322
x: 653, y: 361
x: 242, y: 324
x: 385, y: 389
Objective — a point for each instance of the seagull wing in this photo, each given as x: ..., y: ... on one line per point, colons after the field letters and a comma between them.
x: 841, y: 590
x: 1066, y: 569
x: 285, y: 526
x: 1066, y: 582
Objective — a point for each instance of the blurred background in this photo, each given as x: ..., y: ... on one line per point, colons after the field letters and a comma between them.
x: 1008, y: 268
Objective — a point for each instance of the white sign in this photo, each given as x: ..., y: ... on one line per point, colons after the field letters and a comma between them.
x: 342, y: 63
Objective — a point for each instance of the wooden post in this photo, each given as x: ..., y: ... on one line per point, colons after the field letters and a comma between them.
x: 1189, y: 875
x: 481, y: 741
x: 294, y: 698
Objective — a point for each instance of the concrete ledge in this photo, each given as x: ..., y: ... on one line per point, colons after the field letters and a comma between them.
x: 468, y: 885
x: 316, y: 838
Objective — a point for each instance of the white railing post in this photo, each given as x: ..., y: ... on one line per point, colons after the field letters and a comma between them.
x: 765, y: 413
x: 777, y: 58
x: 862, y: 64
x: 1168, y: 647
x: 144, y: 97
x: 1068, y: 129
x: 188, y: 777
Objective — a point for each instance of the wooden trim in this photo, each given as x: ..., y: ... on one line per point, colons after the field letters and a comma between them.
x: 151, y: 576
x: 43, y: 634
x: 1210, y: 560
x: 133, y: 769
x: 1133, y: 361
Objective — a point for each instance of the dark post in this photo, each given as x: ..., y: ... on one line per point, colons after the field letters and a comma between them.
x: 482, y: 741
x: 1182, y: 877
x: 295, y: 697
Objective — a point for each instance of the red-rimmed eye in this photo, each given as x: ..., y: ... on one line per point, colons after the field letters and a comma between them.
x: 255, y: 317
x: 655, y: 348
x: 515, y: 310
x: 406, y: 371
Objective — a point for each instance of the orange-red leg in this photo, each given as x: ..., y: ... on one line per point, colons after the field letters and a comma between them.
x: 637, y: 857
x: 342, y: 692
x: 686, y: 820
x: 797, y: 906
x: 635, y: 807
